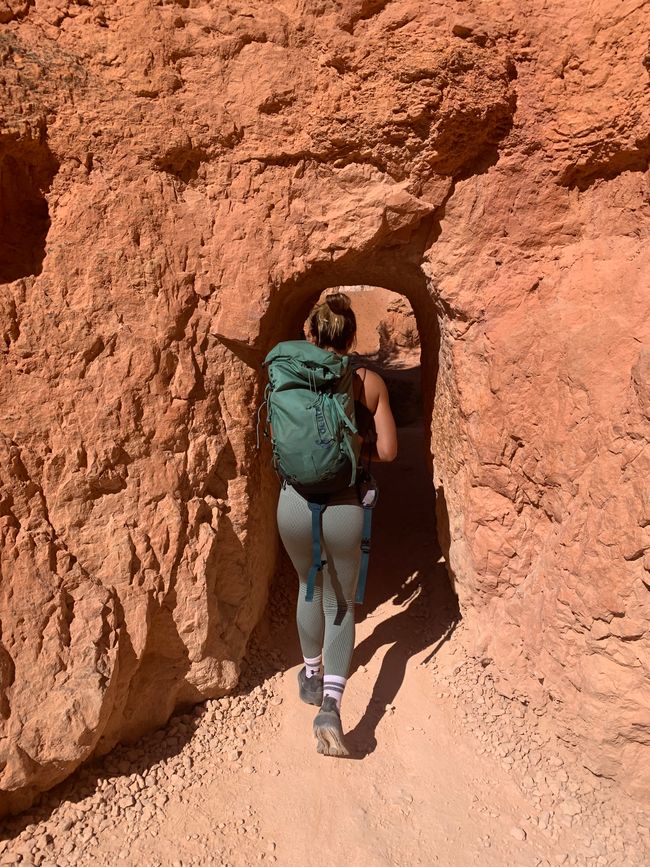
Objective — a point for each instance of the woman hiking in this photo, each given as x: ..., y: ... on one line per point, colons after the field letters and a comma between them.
x: 326, y: 623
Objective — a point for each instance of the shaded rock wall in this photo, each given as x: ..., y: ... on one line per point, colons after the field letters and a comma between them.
x: 179, y: 182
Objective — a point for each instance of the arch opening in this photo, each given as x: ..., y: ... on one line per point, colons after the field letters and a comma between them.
x: 409, y: 593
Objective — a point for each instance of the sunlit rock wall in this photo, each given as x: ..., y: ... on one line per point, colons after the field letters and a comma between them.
x: 177, y: 182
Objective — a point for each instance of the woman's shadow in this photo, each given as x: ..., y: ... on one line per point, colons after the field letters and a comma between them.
x: 406, y: 568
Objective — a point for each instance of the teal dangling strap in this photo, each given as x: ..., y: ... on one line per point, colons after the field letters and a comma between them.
x: 346, y: 442
x: 365, y: 554
x: 317, y: 562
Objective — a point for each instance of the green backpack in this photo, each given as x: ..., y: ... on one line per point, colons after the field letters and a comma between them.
x: 310, y: 410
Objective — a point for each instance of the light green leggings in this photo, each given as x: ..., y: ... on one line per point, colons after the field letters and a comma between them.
x: 326, y: 624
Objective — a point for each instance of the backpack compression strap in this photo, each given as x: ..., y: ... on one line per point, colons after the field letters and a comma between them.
x: 317, y: 562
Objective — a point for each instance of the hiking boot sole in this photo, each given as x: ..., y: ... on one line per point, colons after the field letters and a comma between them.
x: 330, y: 740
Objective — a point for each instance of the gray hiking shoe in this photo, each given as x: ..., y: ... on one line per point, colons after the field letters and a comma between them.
x: 310, y: 688
x: 328, y: 730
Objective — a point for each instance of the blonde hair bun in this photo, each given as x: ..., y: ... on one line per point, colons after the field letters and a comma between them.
x: 338, y: 303
x: 332, y: 323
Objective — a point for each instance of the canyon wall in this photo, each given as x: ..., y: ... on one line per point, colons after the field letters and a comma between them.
x: 178, y: 181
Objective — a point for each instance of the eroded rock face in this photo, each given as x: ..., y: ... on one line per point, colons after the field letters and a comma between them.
x: 187, y: 178
x: 541, y: 421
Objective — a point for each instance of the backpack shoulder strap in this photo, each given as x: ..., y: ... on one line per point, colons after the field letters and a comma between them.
x: 359, y: 379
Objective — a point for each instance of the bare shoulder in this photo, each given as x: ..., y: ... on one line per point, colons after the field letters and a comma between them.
x: 372, y: 381
x: 373, y: 388
x: 375, y: 397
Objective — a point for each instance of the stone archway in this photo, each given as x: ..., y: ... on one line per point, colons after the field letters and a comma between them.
x: 288, y: 310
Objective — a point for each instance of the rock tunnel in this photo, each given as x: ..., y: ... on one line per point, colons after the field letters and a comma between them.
x: 408, y: 582
x: 394, y: 276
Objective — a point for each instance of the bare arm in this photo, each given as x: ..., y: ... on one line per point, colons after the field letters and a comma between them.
x: 386, y: 445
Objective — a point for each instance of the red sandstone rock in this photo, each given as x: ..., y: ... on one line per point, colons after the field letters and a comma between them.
x: 178, y: 182
x: 398, y: 332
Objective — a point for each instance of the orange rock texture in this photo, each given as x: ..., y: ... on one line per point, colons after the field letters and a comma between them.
x: 178, y: 182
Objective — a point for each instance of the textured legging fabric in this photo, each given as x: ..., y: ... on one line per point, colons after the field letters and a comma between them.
x: 327, y: 622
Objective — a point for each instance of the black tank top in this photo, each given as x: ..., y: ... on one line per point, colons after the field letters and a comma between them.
x: 364, y: 418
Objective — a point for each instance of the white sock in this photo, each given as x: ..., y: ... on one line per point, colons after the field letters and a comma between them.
x: 313, y: 666
x: 333, y: 685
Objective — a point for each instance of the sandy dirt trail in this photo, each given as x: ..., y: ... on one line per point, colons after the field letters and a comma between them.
x: 443, y: 771
x: 409, y: 794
